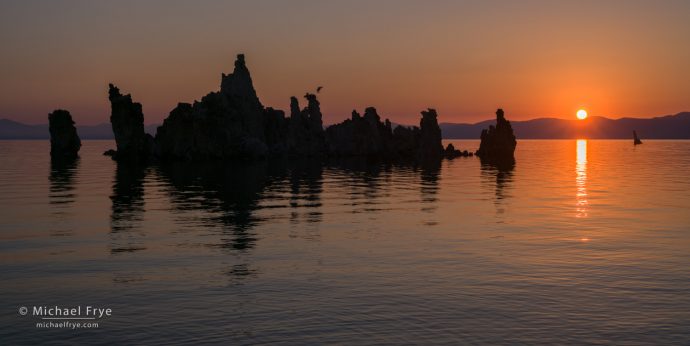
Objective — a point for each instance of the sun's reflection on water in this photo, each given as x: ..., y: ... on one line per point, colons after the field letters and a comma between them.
x: 581, y: 179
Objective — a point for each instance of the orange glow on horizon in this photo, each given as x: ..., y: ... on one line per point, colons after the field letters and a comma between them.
x: 448, y: 56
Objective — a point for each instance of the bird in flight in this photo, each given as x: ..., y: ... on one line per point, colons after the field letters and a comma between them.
x: 318, y: 89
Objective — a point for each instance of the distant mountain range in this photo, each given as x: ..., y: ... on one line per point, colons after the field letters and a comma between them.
x: 10, y: 129
x: 664, y: 127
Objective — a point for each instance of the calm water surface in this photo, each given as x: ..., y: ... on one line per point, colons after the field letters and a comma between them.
x: 581, y: 242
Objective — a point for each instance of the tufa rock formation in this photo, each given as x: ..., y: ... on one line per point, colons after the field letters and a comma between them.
x: 430, y: 141
x: 450, y: 152
x: 127, y: 120
x: 497, y: 143
x: 368, y: 136
x: 64, y: 141
x: 363, y: 136
x: 232, y: 123
x: 306, y: 137
x: 228, y: 123
x: 636, y: 140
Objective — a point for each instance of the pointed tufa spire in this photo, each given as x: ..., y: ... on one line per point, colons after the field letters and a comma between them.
x: 636, y: 140
x: 371, y: 116
x: 113, y: 92
x: 239, y: 84
x: 127, y: 120
x: 500, y: 117
x: 313, y: 111
x: 305, y: 135
x: 294, y: 107
x: 431, y: 147
x: 232, y: 123
x: 239, y: 62
x: 498, y: 142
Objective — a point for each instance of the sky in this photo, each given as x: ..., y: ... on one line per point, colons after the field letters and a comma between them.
x: 464, y: 58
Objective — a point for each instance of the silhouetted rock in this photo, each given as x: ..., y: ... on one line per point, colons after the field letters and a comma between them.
x: 361, y: 136
x: 450, y: 152
x: 127, y: 120
x: 661, y: 127
x: 306, y: 137
x: 232, y: 123
x: 636, y: 140
x: 370, y: 137
x: 498, y: 142
x: 430, y: 140
x: 406, y: 141
x: 224, y: 124
x: 275, y: 131
x: 239, y: 92
x: 64, y: 141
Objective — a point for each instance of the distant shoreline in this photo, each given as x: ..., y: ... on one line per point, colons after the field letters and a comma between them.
x: 444, y: 139
x: 664, y: 127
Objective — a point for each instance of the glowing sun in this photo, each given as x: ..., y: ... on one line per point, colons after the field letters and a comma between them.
x: 582, y: 114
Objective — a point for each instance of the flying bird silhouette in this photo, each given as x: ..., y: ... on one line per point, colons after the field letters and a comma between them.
x: 318, y: 89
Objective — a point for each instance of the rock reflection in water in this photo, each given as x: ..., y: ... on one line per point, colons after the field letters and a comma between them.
x: 225, y: 203
x: 500, y: 174
x: 306, y: 186
x: 229, y: 192
x: 430, y: 176
x: 369, y: 253
x: 362, y: 182
x: 127, y: 209
x: 62, y: 174
x: 62, y: 195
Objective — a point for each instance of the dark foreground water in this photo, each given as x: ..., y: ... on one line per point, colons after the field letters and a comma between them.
x: 581, y: 242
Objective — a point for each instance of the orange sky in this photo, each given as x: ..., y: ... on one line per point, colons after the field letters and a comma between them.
x: 465, y: 58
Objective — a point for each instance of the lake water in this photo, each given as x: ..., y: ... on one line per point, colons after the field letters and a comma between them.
x: 581, y: 242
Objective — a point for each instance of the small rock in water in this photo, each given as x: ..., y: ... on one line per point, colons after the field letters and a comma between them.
x: 498, y: 142
x: 64, y: 141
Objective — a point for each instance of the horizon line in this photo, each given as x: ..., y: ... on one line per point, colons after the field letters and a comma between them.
x: 440, y: 122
